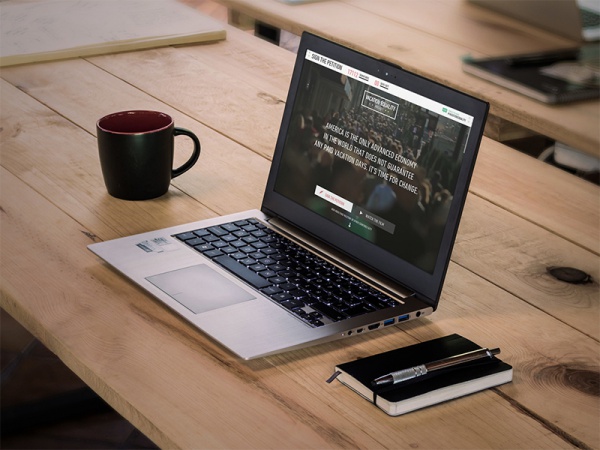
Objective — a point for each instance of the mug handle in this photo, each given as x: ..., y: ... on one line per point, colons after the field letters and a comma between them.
x: 195, y: 155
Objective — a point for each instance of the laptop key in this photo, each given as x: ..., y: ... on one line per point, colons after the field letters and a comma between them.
x: 268, y: 274
x: 230, y: 227
x: 185, y: 236
x: 379, y: 303
x: 201, y: 233
x: 281, y: 297
x: 328, y: 311
x: 288, y: 286
x: 213, y: 253
x: 204, y: 247
x: 194, y: 241
x: 218, y: 231
x: 358, y: 310
x: 242, y: 271
x: 258, y: 267
x: 276, y: 279
x: 292, y: 304
x: 271, y: 290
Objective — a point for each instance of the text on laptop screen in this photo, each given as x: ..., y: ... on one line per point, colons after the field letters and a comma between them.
x: 378, y: 160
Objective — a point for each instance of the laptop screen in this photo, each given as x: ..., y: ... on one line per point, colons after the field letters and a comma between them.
x: 375, y: 159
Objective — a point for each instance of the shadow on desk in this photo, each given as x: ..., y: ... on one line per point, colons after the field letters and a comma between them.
x: 45, y: 405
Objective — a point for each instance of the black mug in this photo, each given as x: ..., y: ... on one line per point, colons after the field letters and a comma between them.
x: 136, y: 151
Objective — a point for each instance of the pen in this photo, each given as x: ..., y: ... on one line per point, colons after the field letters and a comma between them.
x: 417, y: 371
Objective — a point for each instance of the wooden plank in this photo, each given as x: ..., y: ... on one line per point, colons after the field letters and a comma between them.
x: 434, y: 57
x: 231, y: 101
x: 500, y: 130
x: 144, y: 361
x: 514, y: 254
x: 545, y: 195
x: 253, y: 61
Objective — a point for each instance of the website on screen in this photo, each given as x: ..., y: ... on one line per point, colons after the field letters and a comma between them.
x: 378, y: 160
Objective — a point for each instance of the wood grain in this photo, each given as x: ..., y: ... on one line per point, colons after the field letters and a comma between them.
x: 514, y: 254
x: 545, y: 195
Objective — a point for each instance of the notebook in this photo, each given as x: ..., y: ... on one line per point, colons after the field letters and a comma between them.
x: 360, y: 212
x: 430, y: 388
x: 551, y: 77
x: 575, y: 19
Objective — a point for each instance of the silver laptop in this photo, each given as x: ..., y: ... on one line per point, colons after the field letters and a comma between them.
x: 359, y: 215
x: 576, y: 19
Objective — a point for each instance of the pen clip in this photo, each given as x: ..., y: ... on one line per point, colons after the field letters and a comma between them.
x: 333, y: 376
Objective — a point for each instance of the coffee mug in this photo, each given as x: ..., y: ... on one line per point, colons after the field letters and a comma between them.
x: 136, y: 151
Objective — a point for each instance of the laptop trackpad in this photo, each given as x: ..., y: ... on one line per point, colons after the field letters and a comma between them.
x: 200, y: 288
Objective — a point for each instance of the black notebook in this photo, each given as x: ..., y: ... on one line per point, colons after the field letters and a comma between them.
x: 550, y: 77
x: 434, y: 387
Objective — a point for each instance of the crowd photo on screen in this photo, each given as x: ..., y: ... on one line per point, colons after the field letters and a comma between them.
x: 394, y: 161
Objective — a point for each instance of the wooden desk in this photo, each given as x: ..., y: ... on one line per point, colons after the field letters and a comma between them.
x: 183, y: 390
x: 430, y: 38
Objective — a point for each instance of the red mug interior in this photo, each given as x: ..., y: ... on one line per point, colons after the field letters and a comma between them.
x: 135, y: 122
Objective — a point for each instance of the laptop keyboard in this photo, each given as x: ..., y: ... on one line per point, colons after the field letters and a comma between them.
x: 589, y: 18
x: 313, y: 289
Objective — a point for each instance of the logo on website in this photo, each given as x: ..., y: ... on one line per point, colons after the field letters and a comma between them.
x: 380, y: 104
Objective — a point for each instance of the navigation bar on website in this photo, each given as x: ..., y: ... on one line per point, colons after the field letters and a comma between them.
x: 393, y: 89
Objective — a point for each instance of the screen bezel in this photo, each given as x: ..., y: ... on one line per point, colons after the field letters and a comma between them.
x: 427, y: 286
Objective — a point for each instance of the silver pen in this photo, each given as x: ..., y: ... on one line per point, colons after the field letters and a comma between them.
x: 417, y: 371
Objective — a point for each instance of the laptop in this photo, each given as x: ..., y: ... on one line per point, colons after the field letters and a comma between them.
x: 575, y: 19
x: 359, y: 215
